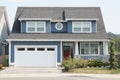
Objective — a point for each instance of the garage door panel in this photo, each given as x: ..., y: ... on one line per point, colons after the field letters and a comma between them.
x: 36, y: 56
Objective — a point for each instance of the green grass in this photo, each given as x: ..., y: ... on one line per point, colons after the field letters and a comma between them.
x: 95, y: 71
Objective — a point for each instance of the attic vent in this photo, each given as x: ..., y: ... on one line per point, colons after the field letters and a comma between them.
x: 63, y: 15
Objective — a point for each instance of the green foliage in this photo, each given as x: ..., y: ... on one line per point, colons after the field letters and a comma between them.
x: 6, y: 63
x: 113, y: 60
x: 80, y: 63
x: 68, y: 64
x: 95, y: 63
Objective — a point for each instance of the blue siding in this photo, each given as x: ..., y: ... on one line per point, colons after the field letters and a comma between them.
x: 48, y: 24
x: 35, y: 43
x: 23, y: 25
x: 53, y: 29
x: 69, y: 26
x: 94, y: 27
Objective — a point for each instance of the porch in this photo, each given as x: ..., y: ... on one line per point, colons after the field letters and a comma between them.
x: 85, y: 49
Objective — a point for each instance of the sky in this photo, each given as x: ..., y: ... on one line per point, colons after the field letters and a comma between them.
x: 110, y: 9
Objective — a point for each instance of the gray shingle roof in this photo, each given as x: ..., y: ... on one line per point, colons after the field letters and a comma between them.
x: 55, y: 13
x: 57, y: 36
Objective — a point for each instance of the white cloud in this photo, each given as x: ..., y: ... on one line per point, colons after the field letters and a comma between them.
x: 14, y: 0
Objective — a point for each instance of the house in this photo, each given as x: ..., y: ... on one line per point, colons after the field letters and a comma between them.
x: 44, y: 36
x: 4, y: 32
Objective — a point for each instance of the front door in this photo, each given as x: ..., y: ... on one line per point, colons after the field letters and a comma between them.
x: 66, y: 52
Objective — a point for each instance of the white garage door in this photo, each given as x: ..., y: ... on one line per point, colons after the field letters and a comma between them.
x: 35, y: 56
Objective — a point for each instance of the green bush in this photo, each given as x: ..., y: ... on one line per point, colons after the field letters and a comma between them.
x: 6, y: 63
x: 68, y: 64
x: 95, y: 63
x: 80, y: 63
x: 106, y: 64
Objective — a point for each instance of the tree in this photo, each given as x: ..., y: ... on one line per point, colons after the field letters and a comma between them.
x: 113, y: 60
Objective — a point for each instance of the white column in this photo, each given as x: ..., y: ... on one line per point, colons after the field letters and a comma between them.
x: 9, y: 53
x: 76, y: 50
x: 105, y: 48
x: 61, y: 46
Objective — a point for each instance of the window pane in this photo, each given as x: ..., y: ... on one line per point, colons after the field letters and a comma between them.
x: 31, y: 24
x: 50, y: 49
x: 31, y: 29
x: 31, y: 49
x: 86, y: 29
x: 94, y: 48
x: 40, y: 49
x: 40, y: 24
x: 77, y: 26
x: 84, y: 48
x: 86, y: 26
x: 77, y: 29
x: 40, y: 29
x: 21, y: 49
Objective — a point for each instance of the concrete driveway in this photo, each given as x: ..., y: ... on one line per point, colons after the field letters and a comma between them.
x: 23, y: 70
x: 53, y: 73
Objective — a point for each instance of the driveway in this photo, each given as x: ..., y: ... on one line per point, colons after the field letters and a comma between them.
x: 13, y: 73
x: 24, y: 70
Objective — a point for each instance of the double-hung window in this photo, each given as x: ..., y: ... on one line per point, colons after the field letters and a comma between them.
x: 81, y: 26
x: 31, y: 26
x: 36, y: 26
x: 89, y: 48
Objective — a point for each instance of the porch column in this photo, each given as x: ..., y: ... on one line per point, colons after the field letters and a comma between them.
x: 76, y: 50
x: 61, y: 46
x: 105, y: 48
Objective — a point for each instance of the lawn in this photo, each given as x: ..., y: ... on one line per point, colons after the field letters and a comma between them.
x: 95, y: 71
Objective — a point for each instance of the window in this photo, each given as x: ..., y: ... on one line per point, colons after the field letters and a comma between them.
x: 31, y: 26
x: 81, y: 26
x: 36, y: 26
x: 40, y: 27
x: 40, y: 49
x: 50, y: 49
x: 58, y: 26
x: 21, y: 49
x: 31, y: 49
x: 89, y: 48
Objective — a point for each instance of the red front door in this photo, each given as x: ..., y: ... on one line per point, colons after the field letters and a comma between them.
x: 66, y: 52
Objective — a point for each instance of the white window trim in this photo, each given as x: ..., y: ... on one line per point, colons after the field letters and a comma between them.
x: 35, y: 27
x: 81, y: 27
x: 89, y: 54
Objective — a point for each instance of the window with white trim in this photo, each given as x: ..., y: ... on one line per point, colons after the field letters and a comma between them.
x: 81, y: 26
x: 33, y: 26
x: 89, y: 48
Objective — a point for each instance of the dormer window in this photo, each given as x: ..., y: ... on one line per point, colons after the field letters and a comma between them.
x: 36, y: 26
x: 81, y: 26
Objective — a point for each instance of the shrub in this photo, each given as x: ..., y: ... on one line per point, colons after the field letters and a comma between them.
x: 68, y: 64
x: 80, y: 63
x: 1, y: 66
x: 113, y: 60
x: 6, y: 64
x: 95, y: 63
x: 106, y: 64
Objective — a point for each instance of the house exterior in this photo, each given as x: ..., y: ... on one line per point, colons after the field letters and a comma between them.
x: 4, y: 32
x: 44, y: 36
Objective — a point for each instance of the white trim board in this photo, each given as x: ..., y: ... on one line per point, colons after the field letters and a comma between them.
x: 58, y: 40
